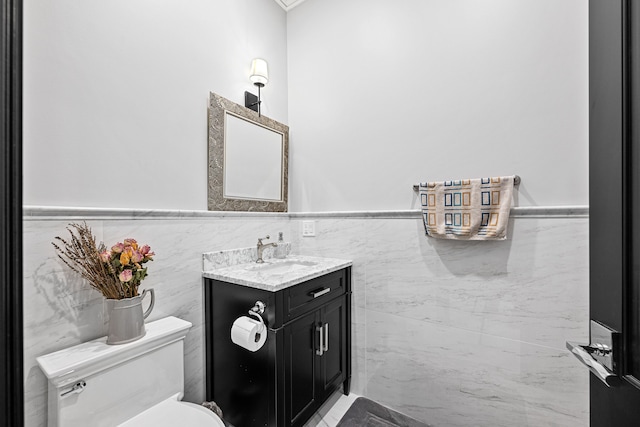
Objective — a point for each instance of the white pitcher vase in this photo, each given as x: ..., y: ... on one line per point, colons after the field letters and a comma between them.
x: 126, y: 319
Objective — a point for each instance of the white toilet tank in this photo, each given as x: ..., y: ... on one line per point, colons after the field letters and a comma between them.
x: 95, y: 384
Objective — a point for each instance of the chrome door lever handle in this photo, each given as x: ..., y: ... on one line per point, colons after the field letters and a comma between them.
x: 598, y: 356
x: 584, y: 354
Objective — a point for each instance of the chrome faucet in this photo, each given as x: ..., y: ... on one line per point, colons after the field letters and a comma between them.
x: 261, y: 247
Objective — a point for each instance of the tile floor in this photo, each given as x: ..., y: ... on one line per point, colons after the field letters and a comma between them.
x: 332, y: 411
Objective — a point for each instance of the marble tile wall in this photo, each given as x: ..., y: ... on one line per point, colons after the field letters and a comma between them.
x: 59, y: 311
x: 452, y: 333
x: 467, y: 333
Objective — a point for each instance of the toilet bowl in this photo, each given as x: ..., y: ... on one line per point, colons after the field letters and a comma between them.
x: 172, y: 412
x: 135, y: 384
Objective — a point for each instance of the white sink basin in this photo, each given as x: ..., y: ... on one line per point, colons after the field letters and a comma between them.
x: 281, y: 267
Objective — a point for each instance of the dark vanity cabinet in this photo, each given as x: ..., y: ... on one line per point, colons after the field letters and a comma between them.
x: 306, y: 357
x: 314, y: 359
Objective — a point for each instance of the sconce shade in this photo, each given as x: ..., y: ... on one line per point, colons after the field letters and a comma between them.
x: 259, y: 72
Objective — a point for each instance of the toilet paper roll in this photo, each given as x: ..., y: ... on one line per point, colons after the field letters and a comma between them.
x: 248, y: 333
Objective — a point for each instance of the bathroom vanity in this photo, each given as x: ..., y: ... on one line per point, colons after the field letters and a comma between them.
x: 307, y: 353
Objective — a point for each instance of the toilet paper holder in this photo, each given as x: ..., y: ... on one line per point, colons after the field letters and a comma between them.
x: 249, y: 333
x: 258, y: 309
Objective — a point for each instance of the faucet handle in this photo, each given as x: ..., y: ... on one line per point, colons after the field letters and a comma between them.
x: 263, y: 238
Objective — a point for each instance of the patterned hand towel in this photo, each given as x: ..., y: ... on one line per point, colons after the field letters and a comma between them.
x: 467, y: 209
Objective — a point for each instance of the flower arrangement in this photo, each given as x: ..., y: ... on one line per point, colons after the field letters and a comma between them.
x: 116, y: 272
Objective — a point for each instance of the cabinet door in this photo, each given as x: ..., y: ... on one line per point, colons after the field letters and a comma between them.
x: 334, y: 358
x: 301, y: 339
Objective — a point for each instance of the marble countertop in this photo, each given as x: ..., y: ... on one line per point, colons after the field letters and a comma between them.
x: 276, y: 274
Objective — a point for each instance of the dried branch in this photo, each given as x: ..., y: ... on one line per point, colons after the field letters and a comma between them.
x: 82, y: 255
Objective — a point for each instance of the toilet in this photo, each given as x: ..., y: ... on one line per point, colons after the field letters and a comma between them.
x: 133, y: 385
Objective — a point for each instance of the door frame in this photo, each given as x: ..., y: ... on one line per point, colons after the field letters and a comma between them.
x: 11, y: 321
x: 612, y: 131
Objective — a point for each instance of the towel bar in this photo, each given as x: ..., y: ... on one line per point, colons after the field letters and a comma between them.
x: 516, y: 181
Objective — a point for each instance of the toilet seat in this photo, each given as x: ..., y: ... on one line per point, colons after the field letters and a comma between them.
x: 172, y: 412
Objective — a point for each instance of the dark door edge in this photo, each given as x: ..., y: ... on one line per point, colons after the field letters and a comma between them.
x: 11, y: 322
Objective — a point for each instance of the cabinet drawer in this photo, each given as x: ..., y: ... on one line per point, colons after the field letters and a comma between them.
x: 308, y: 295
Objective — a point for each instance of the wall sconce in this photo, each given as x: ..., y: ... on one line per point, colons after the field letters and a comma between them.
x: 259, y: 76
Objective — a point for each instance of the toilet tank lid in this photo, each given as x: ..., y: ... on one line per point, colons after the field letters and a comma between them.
x: 74, y: 363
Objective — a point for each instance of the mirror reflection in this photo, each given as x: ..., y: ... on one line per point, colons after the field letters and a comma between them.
x: 252, y: 160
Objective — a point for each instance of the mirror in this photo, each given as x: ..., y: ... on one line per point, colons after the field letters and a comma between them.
x: 248, y: 159
x: 252, y: 160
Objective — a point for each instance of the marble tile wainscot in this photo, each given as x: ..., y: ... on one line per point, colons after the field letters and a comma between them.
x: 451, y: 333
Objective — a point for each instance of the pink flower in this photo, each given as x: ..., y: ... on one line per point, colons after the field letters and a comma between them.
x: 125, y: 276
x: 137, y: 256
x: 117, y: 248
x: 105, y: 256
x: 131, y: 242
x: 146, y: 252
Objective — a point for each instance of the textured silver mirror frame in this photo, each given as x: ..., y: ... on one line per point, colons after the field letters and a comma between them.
x: 215, y: 189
